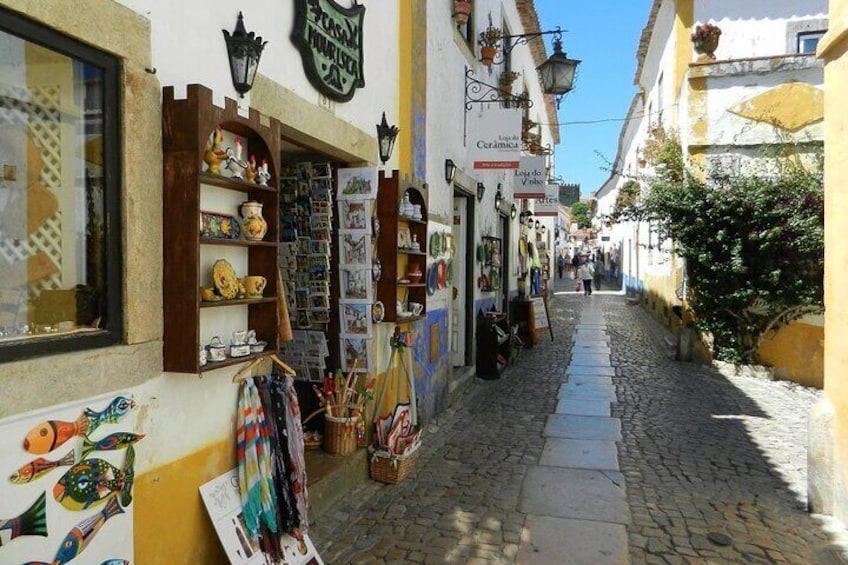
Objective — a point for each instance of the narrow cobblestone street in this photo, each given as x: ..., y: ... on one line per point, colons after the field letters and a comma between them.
x: 714, y: 466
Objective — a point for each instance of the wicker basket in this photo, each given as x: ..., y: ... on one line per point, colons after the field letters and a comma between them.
x: 392, y: 469
x: 340, y: 435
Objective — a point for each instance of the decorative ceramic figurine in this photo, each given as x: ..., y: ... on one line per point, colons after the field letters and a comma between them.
x: 415, y: 245
x: 253, y: 224
x: 416, y: 212
x: 234, y: 163
x: 406, y: 208
x: 262, y: 175
x: 214, y: 155
x: 250, y: 172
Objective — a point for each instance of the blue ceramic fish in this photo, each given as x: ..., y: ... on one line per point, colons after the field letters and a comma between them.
x: 81, y: 535
x: 92, y: 481
x: 117, y: 440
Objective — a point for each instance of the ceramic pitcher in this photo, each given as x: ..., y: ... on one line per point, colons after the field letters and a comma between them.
x: 253, y: 224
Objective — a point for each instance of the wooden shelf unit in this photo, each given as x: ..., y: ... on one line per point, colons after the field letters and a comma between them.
x: 394, y: 260
x: 186, y: 126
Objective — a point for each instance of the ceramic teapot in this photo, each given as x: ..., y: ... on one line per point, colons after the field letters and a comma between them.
x: 253, y: 224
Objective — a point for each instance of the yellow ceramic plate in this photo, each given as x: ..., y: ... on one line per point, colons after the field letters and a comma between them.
x: 224, y: 277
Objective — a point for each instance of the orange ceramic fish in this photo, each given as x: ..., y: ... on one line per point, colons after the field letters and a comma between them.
x: 38, y: 467
x: 47, y: 436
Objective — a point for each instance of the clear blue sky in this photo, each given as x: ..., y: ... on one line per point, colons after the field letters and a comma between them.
x: 604, y: 34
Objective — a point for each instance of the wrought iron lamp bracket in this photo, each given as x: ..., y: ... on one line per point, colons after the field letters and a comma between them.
x: 479, y: 92
x: 510, y: 42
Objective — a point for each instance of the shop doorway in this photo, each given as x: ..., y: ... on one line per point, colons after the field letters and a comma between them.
x: 506, y: 238
x: 462, y: 297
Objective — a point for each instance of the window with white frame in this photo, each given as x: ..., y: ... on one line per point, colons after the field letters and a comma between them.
x: 809, y: 41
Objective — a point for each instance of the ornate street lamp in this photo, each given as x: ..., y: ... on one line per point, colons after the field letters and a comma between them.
x: 513, y: 211
x: 557, y: 73
x: 498, y: 198
x: 386, y: 136
x: 244, y: 50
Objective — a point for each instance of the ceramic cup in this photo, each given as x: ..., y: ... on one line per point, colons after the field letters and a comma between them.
x: 253, y: 286
x: 416, y: 308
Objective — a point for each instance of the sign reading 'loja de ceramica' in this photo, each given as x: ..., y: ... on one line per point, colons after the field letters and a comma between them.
x: 329, y: 38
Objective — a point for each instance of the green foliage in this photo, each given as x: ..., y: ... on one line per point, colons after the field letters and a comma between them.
x: 753, y: 245
x: 626, y: 201
x: 580, y: 214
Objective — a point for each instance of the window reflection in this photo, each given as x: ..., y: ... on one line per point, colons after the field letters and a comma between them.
x: 52, y: 201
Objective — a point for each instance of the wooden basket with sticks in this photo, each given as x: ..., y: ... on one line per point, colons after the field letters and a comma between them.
x: 344, y: 404
x: 340, y: 434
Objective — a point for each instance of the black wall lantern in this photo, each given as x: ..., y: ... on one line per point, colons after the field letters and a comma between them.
x: 244, y: 50
x: 537, y: 225
x: 544, y: 229
x: 557, y: 73
x: 481, y: 189
x: 386, y: 136
x: 498, y: 198
x: 513, y: 211
x: 450, y: 171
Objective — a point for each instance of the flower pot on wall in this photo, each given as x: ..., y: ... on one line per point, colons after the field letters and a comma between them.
x: 487, y: 54
x: 705, y: 41
x: 461, y: 11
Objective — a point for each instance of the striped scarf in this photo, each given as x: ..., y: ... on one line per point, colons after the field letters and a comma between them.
x: 256, y: 482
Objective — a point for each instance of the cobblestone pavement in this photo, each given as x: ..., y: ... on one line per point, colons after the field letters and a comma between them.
x: 702, y: 455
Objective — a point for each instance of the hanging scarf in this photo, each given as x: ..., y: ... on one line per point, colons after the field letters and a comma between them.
x: 272, y: 393
x: 256, y: 486
x: 297, y: 471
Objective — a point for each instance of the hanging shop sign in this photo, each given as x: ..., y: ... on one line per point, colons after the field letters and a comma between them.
x: 530, y: 177
x: 329, y: 38
x: 549, y: 205
x: 494, y: 138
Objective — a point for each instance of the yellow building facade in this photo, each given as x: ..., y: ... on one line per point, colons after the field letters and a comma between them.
x: 828, y: 458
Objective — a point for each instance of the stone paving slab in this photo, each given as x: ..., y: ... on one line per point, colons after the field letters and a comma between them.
x: 583, y: 427
x: 590, y: 371
x: 547, y: 540
x: 589, y: 380
x: 583, y: 407
x: 575, y: 493
x: 586, y: 390
x: 587, y: 359
x: 591, y: 335
x: 580, y: 454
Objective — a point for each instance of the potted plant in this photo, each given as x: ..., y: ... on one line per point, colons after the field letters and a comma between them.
x: 526, y: 125
x: 489, y: 42
x: 506, y: 80
x: 461, y: 11
x: 705, y: 40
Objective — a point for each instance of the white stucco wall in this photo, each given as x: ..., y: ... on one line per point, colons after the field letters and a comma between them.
x: 188, y: 47
x: 756, y: 28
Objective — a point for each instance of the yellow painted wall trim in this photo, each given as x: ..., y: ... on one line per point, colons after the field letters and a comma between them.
x: 683, y: 21
x: 836, y: 35
x: 790, y: 106
x: 405, y: 85
x: 171, y: 523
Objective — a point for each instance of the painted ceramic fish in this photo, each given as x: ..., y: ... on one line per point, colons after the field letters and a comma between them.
x: 81, y: 535
x: 37, y: 468
x: 116, y: 562
x: 112, y: 442
x: 47, y: 436
x: 33, y: 522
x: 92, y: 481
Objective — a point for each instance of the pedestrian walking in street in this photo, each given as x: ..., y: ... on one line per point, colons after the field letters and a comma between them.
x: 599, y: 270
x: 587, y: 273
x: 575, y: 263
x: 560, y: 265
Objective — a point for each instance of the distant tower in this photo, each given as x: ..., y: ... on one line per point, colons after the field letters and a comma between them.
x: 569, y: 194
